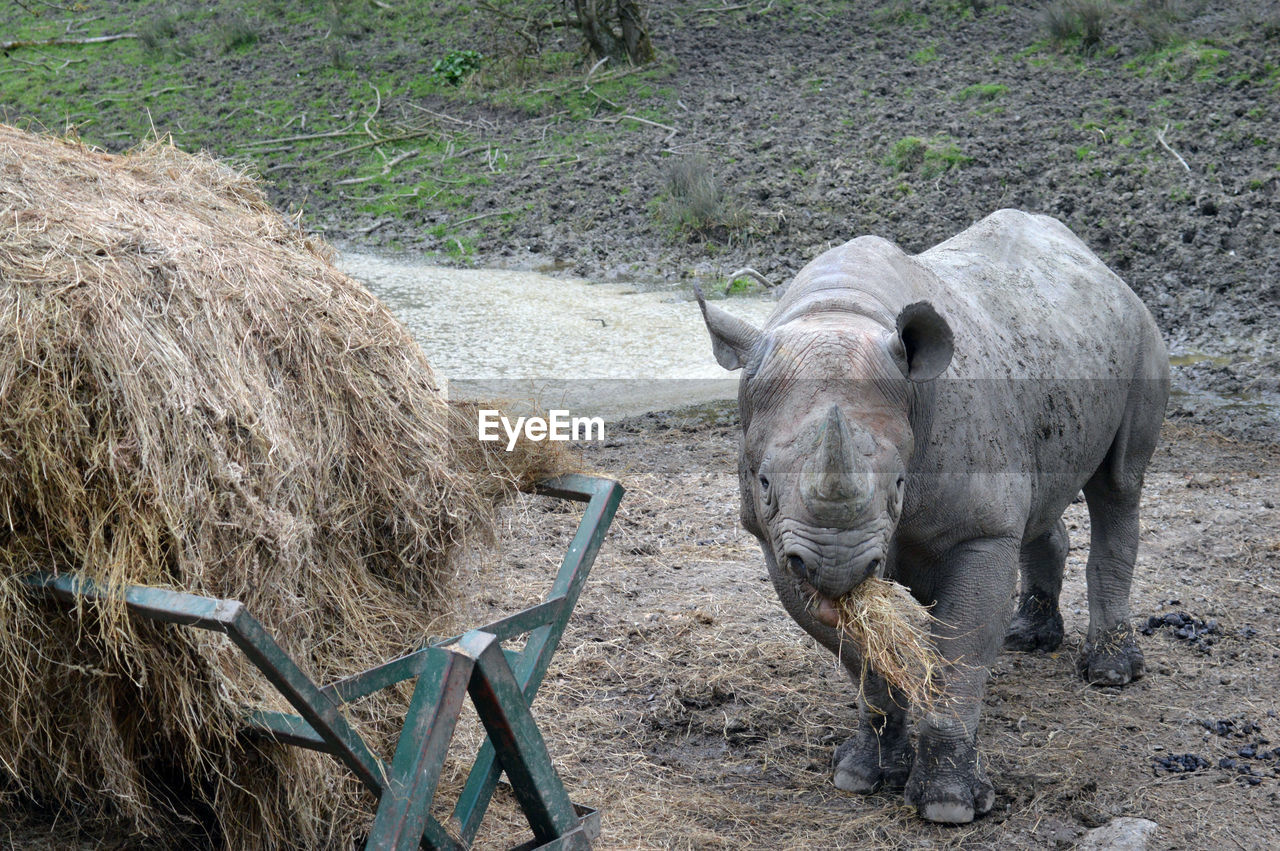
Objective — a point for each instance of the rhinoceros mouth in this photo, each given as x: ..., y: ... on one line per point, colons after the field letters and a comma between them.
x: 823, y: 609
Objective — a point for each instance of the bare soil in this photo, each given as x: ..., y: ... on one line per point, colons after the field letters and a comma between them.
x: 690, y: 709
x: 1163, y: 156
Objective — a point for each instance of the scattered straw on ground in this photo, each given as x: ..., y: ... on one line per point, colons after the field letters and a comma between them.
x: 191, y: 396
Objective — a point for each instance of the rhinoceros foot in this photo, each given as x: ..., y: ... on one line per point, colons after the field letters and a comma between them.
x: 866, y: 762
x: 1113, y: 659
x: 1036, y: 626
x: 948, y: 784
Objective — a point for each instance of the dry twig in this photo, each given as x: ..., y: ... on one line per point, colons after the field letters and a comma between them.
x: 1160, y: 138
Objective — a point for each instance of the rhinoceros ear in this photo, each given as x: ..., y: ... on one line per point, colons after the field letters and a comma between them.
x: 924, y: 344
x: 732, y: 339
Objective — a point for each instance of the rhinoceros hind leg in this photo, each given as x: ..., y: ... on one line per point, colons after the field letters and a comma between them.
x: 1113, y: 659
x: 948, y: 783
x: 1111, y: 655
x: 1038, y: 623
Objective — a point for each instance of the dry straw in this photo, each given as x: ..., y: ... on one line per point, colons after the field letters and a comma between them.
x: 889, y: 630
x: 191, y: 396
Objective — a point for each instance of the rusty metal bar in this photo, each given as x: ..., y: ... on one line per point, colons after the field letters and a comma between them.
x: 404, y: 810
x: 602, y: 497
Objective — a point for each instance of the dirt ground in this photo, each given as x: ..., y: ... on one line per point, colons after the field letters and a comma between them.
x: 690, y: 709
x: 1163, y: 159
x: 687, y: 706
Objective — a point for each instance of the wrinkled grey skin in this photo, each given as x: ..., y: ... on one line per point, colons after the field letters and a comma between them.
x: 929, y: 418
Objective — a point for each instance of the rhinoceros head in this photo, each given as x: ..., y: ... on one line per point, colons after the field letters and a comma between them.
x: 828, y: 403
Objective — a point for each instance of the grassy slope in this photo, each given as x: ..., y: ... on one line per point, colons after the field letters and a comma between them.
x: 299, y: 91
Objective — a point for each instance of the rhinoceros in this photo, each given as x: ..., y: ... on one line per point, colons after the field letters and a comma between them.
x: 928, y: 418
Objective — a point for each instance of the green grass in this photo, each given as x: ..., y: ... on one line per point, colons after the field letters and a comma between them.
x: 294, y: 91
x: 982, y: 92
x: 899, y: 14
x: 928, y: 159
x: 743, y: 285
x: 925, y: 55
x: 1194, y: 60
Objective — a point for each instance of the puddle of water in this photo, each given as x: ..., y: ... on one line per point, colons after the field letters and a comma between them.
x: 593, y: 349
x: 1191, y: 358
x: 600, y: 349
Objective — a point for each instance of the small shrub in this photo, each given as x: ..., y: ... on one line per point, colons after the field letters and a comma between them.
x: 929, y: 159
x: 1080, y: 21
x: 157, y: 34
x: 907, y: 153
x: 1160, y: 21
x: 697, y: 205
x: 456, y: 65
x: 236, y: 31
x: 743, y: 285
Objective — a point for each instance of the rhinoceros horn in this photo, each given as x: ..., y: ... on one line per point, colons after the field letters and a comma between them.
x: 830, y: 490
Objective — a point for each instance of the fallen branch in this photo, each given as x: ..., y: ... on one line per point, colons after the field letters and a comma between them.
x: 306, y: 137
x: 600, y: 97
x: 750, y: 273
x: 1165, y: 145
x: 399, y: 137
x: 386, y: 169
x: 594, y: 68
x: 671, y: 131
x: 615, y: 74
x: 483, y: 126
x: 60, y: 42
x: 376, y: 108
x: 479, y: 217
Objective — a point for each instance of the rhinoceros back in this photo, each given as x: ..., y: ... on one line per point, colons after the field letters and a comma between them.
x: 1028, y: 300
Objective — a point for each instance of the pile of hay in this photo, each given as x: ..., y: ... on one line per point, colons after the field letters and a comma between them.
x: 191, y: 396
x: 889, y: 630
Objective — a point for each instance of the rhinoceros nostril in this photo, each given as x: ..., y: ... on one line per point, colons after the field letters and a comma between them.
x: 797, y: 566
x: 873, y: 569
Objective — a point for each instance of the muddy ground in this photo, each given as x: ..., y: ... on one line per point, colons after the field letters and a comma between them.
x: 1164, y: 156
x: 690, y: 709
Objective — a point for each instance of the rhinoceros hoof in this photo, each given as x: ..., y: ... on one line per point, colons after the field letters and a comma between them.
x: 1036, y: 626
x: 1113, y: 659
x: 865, y: 763
x: 948, y: 785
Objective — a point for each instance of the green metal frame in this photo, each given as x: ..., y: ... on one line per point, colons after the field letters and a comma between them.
x: 501, y: 684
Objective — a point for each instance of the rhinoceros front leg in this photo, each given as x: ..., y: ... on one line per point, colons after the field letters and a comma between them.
x: 972, y: 586
x: 879, y: 754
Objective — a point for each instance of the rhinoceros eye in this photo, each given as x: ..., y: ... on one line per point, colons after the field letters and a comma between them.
x: 764, y: 483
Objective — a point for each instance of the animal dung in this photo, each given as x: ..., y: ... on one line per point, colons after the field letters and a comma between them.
x: 193, y: 397
x: 889, y: 630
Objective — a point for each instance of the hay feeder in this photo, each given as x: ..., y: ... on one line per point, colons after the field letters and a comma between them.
x: 501, y: 683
